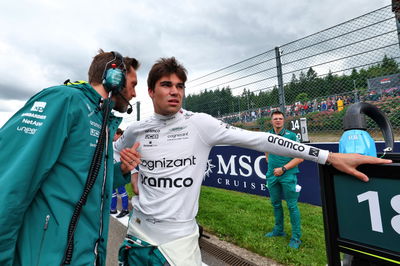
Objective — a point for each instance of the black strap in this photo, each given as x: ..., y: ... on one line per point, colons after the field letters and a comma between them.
x: 91, y: 179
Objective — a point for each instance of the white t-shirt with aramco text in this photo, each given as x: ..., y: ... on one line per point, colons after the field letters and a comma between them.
x: 174, y: 152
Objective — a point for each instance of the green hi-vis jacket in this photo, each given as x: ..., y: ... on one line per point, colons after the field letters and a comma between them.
x: 45, y: 153
x: 275, y: 161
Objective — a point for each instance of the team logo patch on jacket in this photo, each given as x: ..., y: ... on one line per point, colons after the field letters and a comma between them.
x: 38, y: 107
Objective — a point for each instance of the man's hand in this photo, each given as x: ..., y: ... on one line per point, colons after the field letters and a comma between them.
x: 130, y: 158
x: 134, y: 183
x: 347, y: 163
x: 278, y: 171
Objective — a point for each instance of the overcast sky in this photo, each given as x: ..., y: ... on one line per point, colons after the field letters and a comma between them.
x: 44, y: 42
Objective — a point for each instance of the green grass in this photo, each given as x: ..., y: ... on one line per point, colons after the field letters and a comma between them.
x: 129, y: 190
x: 243, y: 219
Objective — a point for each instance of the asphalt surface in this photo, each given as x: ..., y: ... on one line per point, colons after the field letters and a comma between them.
x: 118, y: 228
x: 117, y: 232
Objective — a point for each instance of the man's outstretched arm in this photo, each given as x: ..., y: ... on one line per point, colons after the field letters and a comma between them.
x: 348, y: 162
x: 215, y: 132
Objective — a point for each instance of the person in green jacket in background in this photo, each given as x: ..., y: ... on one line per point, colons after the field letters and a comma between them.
x: 46, y: 151
x: 282, y: 182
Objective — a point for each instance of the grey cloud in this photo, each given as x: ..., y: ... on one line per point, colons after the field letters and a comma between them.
x: 204, y: 37
x: 15, y: 92
x: 4, y: 109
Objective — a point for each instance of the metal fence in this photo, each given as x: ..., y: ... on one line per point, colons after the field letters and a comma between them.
x: 316, y: 77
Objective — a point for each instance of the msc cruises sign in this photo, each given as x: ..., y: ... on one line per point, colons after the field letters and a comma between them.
x: 235, y: 168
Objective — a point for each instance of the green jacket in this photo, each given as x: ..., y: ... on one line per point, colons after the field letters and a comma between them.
x: 275, y: 161
x: 45, y: 153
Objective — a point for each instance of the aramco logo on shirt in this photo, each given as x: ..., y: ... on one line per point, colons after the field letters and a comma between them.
x: 166, y: 182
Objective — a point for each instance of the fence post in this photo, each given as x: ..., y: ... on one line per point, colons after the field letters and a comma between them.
x: 184, y: 102
x: 396, y: 11
x: 281, y: 90
x: 137, y: 111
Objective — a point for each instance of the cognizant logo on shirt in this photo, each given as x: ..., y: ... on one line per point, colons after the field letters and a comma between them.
x: 167, y: 182
x: 167, y: 163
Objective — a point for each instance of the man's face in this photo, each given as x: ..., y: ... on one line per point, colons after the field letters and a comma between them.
x: 128, y: 92
x: 278, y: 121
x: 168, y: 95
x: 116, y: 136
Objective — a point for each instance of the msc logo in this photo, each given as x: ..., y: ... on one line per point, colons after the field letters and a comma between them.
x: 38, y: 107
x: 209, y: 168
x: 243, y: 163
x: 243, y: 166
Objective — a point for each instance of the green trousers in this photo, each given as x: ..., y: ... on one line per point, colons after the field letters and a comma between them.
x: 284, y: 187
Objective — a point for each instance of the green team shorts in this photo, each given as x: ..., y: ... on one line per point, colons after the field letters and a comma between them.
x: 135, y: 251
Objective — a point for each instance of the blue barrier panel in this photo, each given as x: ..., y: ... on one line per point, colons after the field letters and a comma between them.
x: 243, y: 170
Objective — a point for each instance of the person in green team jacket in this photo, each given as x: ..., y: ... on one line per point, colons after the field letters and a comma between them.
x: 46, y: 150
x: 282, y: 182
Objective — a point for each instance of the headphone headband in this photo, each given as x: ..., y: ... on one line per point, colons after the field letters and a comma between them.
x: 114, y: 77
x: 118, y: 57
x: 354, y: 120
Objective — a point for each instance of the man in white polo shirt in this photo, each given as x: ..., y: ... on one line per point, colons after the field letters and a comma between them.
x: 174, y: 148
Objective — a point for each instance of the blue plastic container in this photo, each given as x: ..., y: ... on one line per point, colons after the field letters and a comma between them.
x: 355, y: 138
x: 357, y: 141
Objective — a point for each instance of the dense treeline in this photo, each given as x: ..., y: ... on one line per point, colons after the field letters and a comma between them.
x: 305, y: 87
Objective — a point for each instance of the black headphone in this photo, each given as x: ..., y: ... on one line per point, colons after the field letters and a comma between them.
x: 354, y: 120
x: 114, y: 77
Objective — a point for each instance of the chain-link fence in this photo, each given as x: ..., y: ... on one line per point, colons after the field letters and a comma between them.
x: 316, y: 77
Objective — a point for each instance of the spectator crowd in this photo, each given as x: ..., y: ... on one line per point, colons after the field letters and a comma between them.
x: 330, y: 103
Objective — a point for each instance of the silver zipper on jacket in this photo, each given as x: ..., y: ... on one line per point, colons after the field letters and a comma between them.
x: 46, y: 225
x: 102, y: 201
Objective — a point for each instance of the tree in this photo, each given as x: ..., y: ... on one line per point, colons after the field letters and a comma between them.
x: 311, y: 74
x: 307, y: 86
x: 302, y: 97
x: 302, y: 77
x: 389, y: 65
